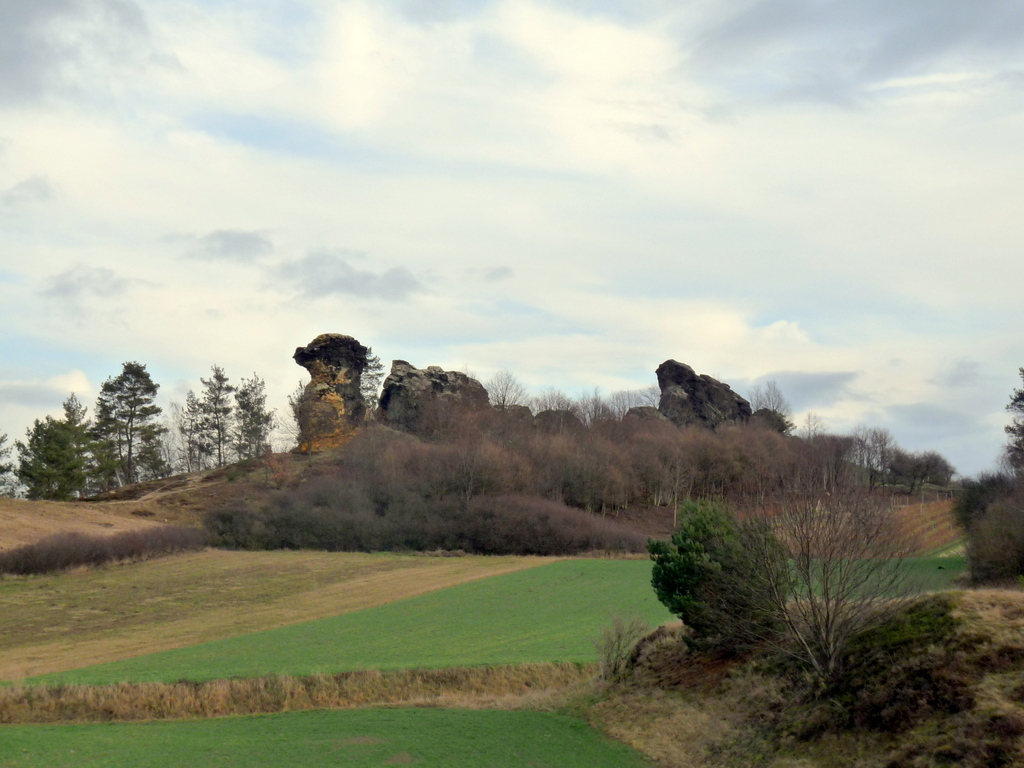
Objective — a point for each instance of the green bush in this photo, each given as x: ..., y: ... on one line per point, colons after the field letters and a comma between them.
x: 716, y: 574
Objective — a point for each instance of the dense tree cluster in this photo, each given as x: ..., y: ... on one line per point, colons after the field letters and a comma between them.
x: 222, y: 424
x: 73, y: 456
x: 126, y: 441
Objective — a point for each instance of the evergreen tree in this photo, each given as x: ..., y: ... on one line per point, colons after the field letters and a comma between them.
x: 126, y: 429
x: 218, y: 414
x: 51, y: 465
x: 253, y: 422
x: 8, y: 477
x: 84, y: 445
x: 369, y: 382
x: 1015, y: 448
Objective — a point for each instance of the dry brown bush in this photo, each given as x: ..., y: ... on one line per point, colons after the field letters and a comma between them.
x: 518, y: 686
x: 68, y: 550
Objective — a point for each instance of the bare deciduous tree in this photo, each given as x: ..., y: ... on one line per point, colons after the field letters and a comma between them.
x: 874, y: 453
x: 813, y: 426
x: 505, y: 390
x: 846, y: 571
x: 621, y: 401
x: 554, y: 400
x: 770, y: 396
x: 593, y: 408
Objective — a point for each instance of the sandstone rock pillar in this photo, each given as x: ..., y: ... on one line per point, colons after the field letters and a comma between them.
x: 332, y: 408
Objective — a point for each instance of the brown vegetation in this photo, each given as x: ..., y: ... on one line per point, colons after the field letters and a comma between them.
x: 497, y: 472
x: 940, y: 682
x: 23, y: 522
x: 507, y: 687
x: 69, y: 549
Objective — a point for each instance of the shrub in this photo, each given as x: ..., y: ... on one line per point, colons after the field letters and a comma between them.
x: 712, y: 576
x: 617, y: 646
x: 991, y: 511
x: 977, y: 494
x: 68, y: 550
x: 336, y: 517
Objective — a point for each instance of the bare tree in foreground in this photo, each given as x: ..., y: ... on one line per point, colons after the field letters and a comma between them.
x: 846, y: 570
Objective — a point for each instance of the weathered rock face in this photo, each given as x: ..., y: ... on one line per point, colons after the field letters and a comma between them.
x: 644, y: 413
x: 418, y: 400
x: 687, y: 398
x: 558, y: 421
x: 332, y: 407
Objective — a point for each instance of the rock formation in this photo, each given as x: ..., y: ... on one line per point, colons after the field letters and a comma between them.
x: 644, y: 413
x: 558, y: 421
x: 687, y: 398
x: 419, y: 400
x: 332, y: 408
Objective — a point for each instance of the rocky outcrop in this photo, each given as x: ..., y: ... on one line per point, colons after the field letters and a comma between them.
x: 420, y: 400
x: 644, y: 413
x: 687, y: 398
x: 519, y: 412
x: 331, y: 408
x: 773, y: 420
x: 558, y: 421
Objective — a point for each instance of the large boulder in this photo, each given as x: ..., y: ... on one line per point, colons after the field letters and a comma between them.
x: 421, y: 401
x: 644, y: 413
x: 331, y: 408
x: 558, y: 421
x: 687, y: 398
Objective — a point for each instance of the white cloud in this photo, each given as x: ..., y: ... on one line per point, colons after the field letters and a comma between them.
x: 528, y: 186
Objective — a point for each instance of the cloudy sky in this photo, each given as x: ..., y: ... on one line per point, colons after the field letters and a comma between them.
x: 826, y: 193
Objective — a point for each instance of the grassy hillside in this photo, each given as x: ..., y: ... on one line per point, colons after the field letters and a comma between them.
x: 940, y: 683
x: 55, y: 622
x: 551, y: 613
x: 25, y: 522
x: 357, y: 738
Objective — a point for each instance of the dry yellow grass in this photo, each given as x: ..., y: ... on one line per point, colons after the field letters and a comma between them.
x: 55, y: 623
x: 23, y: 522
x: 527, y: 686
x: 676, y: 729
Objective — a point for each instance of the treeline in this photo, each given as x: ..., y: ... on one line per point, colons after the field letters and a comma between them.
x: 221, y: 425
x: 387, y: 490
x: 871, y: 454
x: 127, y: 441
x: 500, y: 482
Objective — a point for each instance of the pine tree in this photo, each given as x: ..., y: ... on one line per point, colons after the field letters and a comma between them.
x: 51, y: 465
x: 253, y: 422
x: 218, y: 413
x: 1015, y: 448
x: 126, y: 427
x: 8, y: 477
x: 369, y: 382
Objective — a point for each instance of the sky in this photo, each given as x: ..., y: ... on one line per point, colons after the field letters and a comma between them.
x: 823, y: 193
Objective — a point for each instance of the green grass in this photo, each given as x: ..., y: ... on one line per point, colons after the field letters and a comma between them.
x: 357, y: 738
x: 933, y: 574
x: 551, y: 613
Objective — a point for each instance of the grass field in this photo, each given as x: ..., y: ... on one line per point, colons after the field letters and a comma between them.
x: 545, y: 614
x: 934, y: 574
x: 357, y: 738
x: 51, y: 623
x: 551, y: 613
